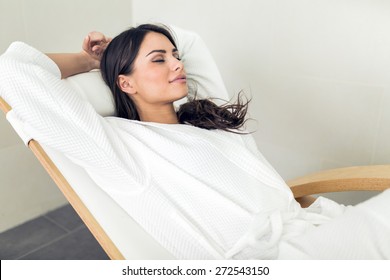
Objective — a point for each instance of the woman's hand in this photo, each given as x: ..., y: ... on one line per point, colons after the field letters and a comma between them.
x: 86, y: 60
x: 94, y: 45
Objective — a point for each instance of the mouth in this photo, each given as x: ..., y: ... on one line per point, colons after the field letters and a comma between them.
x: 179, y: 79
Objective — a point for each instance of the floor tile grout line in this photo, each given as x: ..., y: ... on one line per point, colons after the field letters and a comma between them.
x: 56, y: 223
x: 49, y: 243
x: 43, y: 245
x: 82, y: 225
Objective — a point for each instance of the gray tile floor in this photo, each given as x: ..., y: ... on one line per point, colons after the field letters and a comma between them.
x: 58, y: 235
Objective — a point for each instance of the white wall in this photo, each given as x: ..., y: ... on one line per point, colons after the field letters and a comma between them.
x: 318, y: 72
x: 26, y: 191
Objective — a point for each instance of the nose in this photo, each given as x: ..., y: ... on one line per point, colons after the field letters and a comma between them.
x: 177, y: 65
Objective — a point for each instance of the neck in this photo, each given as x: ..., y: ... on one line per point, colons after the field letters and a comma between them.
x: 163, y: 114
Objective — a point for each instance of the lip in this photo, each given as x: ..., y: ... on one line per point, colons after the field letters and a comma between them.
x: 179, y: 78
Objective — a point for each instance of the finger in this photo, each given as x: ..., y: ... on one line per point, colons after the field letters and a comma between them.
x: 97, y: 51
x: 86, y: 43
x: 97, y: 36
x: 96, y: 48
x: 95, y: 43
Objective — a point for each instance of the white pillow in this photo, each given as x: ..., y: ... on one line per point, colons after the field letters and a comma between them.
x: 92, y: 88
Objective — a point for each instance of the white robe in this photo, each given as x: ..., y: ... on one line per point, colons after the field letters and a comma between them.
x: 203, y: 194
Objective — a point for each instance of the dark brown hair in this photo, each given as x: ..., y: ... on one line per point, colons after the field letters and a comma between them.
x: 118, y: 59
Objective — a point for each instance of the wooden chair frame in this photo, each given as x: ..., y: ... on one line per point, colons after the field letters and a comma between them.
x: 359, y: 178
x: 98, y: 232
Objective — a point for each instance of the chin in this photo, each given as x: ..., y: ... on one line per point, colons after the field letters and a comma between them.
x: 181, y: 95
x: 178, y: 94
x: 180, y: 100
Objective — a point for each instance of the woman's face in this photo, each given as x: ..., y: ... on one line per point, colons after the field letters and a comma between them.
x: 158, y: 77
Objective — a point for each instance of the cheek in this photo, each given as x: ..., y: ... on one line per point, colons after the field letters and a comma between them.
x: 152, y: 77
x: 152, y: 83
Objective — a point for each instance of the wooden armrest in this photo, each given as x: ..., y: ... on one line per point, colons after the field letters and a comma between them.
x: 358, y: 178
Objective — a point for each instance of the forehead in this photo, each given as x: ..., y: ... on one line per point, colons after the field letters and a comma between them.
x: 154, y: 41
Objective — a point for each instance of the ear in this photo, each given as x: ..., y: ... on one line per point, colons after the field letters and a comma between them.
x: 125, y: 84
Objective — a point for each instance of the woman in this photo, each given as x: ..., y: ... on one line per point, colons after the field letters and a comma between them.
x: 202, y: 193
x: 161, y: 60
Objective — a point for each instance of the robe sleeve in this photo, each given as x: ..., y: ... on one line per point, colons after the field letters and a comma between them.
x: 53, y: 113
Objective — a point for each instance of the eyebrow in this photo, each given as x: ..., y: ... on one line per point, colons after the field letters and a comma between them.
x: 161, y: 51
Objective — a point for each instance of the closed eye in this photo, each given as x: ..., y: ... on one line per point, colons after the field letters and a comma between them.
x: 176, y: 54
x: 161, y: 60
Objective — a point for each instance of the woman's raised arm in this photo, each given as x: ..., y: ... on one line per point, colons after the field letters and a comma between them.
x: 88, y: 59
